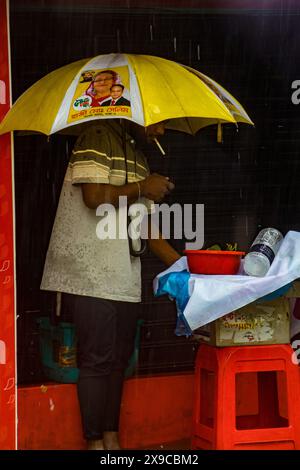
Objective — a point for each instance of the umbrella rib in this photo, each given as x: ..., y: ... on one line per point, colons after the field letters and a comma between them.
x: 172, y: 91
x: 215, y: 94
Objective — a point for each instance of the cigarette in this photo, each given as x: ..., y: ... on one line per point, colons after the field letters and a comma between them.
x: 159, y: 146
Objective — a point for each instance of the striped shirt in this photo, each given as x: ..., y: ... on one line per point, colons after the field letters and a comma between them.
x: 98, y: 157
x: 77, y: 261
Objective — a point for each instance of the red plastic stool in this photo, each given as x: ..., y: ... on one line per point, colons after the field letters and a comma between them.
x: 246, y: 398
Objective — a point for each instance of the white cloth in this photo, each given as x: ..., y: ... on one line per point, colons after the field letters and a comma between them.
x: 213, y: 296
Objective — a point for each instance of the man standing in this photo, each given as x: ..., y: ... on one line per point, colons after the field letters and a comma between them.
x: 100, y: 279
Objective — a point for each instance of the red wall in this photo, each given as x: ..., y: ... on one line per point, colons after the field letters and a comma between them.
x: 155, y: 410
x: 7, y: 318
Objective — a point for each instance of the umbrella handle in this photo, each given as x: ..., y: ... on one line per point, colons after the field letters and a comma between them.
x: 137, y: 253
x: 132, y: 250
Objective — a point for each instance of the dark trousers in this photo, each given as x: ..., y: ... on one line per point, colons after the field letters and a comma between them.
x: 105, y: 331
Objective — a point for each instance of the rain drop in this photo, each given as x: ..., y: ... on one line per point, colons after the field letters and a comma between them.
x: 247, y: 226
x: 151, y: 32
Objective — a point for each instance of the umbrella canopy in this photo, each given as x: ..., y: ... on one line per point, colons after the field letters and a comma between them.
x: 143, y: 89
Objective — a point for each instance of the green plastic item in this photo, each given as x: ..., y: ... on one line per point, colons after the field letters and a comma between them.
x: 132, y: 363
x: 215, y: 247
x: 58, y: 350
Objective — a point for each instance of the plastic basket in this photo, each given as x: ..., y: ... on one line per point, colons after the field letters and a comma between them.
x: 213, y: 261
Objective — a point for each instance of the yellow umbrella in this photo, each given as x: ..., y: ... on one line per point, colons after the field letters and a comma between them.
x: 151, y: 89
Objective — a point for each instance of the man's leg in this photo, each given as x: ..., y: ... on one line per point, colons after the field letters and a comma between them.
x: 95, y: 322
x: 127, y: 314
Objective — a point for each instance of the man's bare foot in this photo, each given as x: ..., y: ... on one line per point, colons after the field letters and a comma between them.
x: 95, y: 444
x: 111, y: 440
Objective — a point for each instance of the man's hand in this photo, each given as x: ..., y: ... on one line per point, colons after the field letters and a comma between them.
x: 156, y: 187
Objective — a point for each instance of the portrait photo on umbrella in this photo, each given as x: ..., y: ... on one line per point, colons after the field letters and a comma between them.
x: 144, y: 146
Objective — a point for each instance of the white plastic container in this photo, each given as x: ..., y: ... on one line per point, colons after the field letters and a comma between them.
x: 262, y: 252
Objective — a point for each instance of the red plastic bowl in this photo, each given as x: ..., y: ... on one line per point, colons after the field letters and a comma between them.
x: 213, y: 261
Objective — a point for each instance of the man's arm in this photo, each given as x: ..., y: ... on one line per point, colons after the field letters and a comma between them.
x: 95, y: 194
x: 161, y: 248
x: 154, y: 187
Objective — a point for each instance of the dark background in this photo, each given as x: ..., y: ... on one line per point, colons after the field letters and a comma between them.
x: 248, y: 182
